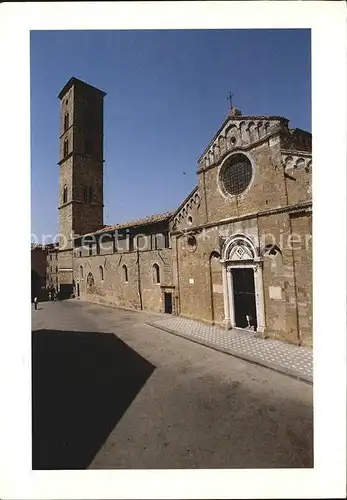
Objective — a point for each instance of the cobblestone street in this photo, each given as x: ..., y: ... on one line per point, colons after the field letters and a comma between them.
x: 110, y: 391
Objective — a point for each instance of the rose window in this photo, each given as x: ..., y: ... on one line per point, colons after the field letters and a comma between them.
x: 236, y: 174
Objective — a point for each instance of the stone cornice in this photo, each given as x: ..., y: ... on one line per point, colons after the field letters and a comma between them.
x: 65, y: 131
x: 81, y: 203
x: 296, y: 152
x: 76, y: 127
x: 263, y: 213
x: 74, y: 153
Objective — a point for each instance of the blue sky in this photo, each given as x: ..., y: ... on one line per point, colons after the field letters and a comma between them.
x: 166, y: 97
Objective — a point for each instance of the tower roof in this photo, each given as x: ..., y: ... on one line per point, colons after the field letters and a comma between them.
x: 76, y: 81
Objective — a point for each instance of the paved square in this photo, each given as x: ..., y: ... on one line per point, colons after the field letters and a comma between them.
x: 112, y: 392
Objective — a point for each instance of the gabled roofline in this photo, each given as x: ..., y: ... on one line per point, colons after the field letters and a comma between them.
x: 240, y: 118
x: 184, y: 202
x: 75, y: 81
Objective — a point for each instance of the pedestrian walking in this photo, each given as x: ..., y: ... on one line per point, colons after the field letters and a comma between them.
x: 35, y: 303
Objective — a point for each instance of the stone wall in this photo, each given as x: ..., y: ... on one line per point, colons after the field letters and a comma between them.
x: 65, y: 267
x: 125, y: 279
x: 81, y: 170
x: 38, y: 261
x: 197, y: 273
x: 65, y: 227
x: 287, y: 273
x: 298, y: 176
x: 52, y: 269
x: 266, y: 189
x: 67, y: 106
x: 301, y: 224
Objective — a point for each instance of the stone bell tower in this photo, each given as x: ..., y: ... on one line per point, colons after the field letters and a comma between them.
x: 80, y: 202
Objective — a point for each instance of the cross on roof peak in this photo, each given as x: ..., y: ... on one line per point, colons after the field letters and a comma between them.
x: 230, y: 99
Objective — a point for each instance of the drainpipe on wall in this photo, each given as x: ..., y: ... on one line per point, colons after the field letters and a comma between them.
x: 205, y: 197
x: 139, y: 278
x: 260, y: 249
x: 178, y: 305
x: 211, y: 289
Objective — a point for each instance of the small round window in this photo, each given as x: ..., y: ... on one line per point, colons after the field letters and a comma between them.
x: 236, y: 174
x: 192, y: 243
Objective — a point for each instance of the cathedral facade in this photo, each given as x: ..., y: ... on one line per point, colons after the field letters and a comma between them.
x: 236, y: 253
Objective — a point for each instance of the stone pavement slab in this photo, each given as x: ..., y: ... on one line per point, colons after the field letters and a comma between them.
x: 198, y: 408
x: 274, y: 354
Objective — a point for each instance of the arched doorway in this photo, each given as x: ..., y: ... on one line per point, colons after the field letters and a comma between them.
x: 90, y: 283
x: 243, y: 284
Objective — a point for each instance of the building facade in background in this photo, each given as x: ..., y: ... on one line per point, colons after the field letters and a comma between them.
x: 235, y: 253
x: 38, y: 270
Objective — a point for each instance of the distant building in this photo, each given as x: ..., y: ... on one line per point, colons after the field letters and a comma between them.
x: 236, y: 252
x: 52, y: 271
x: 38, y: 270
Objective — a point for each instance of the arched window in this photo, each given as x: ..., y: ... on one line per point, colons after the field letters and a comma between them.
x: 125, y: 273
x: 272, y: 250
x: 66, y: 147
x: 156, y: 274
x: 88, y: 194
x: 90, y: 282
x: 65, y: 194
x: 81, y: 272
x: 273, y: 255
x: 66, y: 122
x: 101, y: 273
x: 192, y: 243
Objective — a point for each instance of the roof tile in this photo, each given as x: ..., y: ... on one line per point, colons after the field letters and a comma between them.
x: 151, y: 219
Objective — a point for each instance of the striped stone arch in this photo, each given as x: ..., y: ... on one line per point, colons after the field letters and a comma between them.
x: 239, y: 247
x: 240, y: 251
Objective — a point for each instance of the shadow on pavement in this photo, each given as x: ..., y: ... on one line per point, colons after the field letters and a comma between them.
x: 82, y: 384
